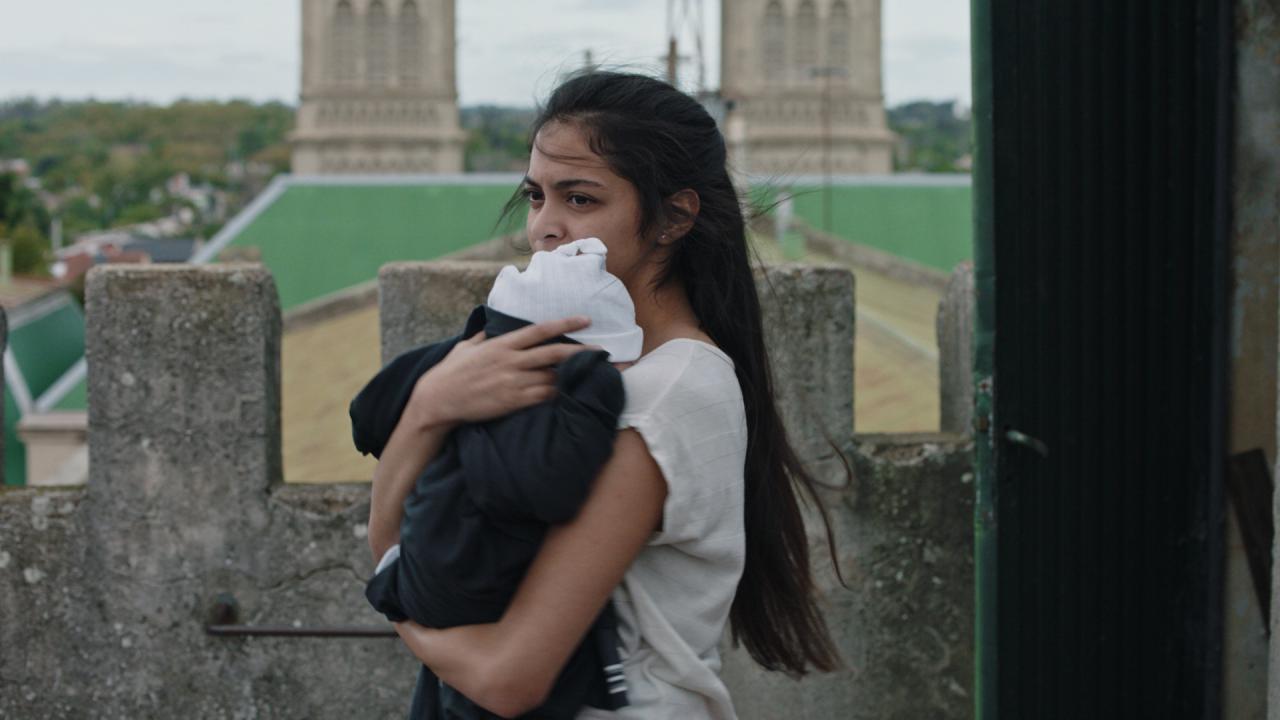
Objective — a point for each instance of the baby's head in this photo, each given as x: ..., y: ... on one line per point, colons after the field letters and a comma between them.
x: 571, y: 280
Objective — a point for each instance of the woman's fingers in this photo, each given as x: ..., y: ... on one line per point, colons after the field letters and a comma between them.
x: 537, y: 394
x: 528, y: 378
x: 538, y: 333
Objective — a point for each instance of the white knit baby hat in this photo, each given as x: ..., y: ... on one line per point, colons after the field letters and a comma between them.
x: 571, y: 280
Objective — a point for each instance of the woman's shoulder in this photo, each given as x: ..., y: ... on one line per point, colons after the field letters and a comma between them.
x: 684, y: 400
x: 678, y: 376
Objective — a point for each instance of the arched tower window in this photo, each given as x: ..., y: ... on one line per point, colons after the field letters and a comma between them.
x: 409, y: 47
x: 342, y: 44
x: 838, y: 35
x: 377, y: 44
x: 806, y: 39
x: 775, y: 41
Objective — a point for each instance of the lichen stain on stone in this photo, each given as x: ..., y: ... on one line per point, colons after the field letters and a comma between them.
x: 33, y: 575
x: 4, y: 559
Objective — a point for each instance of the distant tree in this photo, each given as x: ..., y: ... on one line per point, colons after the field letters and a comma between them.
x: 79, y: 216
x: 497, y: 137
x: 22, y: 223
x: 139, y: 213
x: 933, y: 136
x: 30, y: 250
x: 18, y: 205
x: 121, y: 151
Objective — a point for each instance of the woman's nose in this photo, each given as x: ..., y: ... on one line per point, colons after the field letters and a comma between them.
x: 547, y: 225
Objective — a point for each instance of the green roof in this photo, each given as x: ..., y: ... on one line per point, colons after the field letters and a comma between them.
x: 322, y: 235
x: 47, y: 346
x: 928, y: 220
x: 319, y: 235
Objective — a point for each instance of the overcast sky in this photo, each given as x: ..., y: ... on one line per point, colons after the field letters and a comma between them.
x: 509, y: 51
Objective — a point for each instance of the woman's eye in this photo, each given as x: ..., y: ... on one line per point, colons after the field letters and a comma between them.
x: 531, y: 195
x: 580, y: 200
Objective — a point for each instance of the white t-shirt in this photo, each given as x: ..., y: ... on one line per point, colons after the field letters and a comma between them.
x: 684, y: 400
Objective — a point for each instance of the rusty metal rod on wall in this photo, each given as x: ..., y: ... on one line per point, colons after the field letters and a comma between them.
x: 224, y: 615
x: 290, y: 631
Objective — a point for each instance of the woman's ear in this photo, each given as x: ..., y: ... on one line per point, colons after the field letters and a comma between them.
x: 684, y: 206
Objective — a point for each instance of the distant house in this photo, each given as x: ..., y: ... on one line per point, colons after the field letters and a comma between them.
x: 76, y: 260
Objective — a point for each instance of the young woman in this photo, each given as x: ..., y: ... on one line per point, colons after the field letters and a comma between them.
x: 694, y: 521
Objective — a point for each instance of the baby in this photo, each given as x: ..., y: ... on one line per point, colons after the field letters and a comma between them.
x: 479, y: 511
x: 572, y: 280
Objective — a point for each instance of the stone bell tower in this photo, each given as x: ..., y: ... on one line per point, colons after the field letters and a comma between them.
x: 803, y: 80
x: 379, y: 90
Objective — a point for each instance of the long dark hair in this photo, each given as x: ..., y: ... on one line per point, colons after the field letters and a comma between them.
x: 663, y: 141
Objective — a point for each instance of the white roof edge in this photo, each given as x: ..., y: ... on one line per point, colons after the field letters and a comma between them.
x: 62, y: 386
x: 251, y: 212
x: 16, y: 382
x: 478, y: 178
x: 892, y: 180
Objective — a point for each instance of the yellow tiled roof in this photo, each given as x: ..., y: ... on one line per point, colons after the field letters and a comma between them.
x: 323, y: 366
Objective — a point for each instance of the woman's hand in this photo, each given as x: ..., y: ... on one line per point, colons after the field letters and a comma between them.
x: 479, y: 379
x: 482, y: 379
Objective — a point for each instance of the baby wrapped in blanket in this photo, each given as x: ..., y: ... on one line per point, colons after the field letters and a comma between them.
x: 479, y: 511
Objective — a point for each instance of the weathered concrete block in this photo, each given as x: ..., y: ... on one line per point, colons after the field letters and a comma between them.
x: 424, y: 302
x: 809, y: 330
x: 904, y: 625
x: 104, y: 590
x: 955, y: 351
x: 184, y: 385
x: 808, y: 317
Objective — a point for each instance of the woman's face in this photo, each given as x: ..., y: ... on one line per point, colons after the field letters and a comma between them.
x: 573, y: 194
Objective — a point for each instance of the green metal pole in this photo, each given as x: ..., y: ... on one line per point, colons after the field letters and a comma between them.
x: 984, y: 461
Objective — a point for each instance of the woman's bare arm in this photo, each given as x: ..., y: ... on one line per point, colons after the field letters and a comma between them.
x: 509, y: 667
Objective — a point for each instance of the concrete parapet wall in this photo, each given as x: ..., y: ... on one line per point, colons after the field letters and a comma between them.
x: 904, y: 624
x: 105, y: 588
